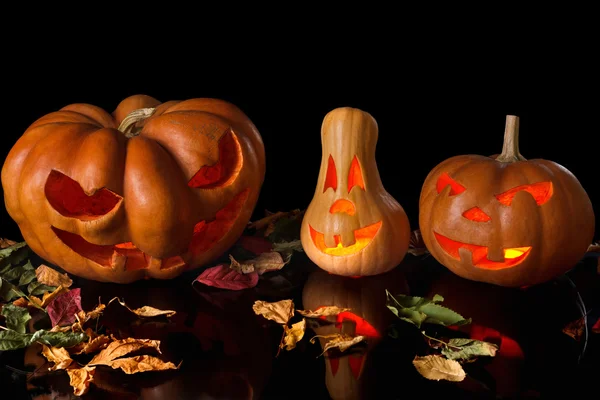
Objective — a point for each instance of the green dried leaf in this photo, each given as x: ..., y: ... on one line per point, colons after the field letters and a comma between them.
x: 16, y: 317
x: 282, y: 247
x: 8, y: 291
x: 287, y: 228
x: 419, y: 310
x: 58, y: 339
x: 27, y: 277
x: 16, y: 272
x: 36, y: 288
x: 13, y: 255
x: 7, y: 251
x: 467, y: 349
x: 12, y: 340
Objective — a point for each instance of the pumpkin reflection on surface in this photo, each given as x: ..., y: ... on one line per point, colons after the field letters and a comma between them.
x: 504, y: 219
x: 352, y: 226
x: 149, y: 191
x: 368, y: 316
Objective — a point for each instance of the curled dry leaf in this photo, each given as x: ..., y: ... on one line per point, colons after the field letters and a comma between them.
x: 59, y: 356
x: 48, y: 297
x: 575, y: 329
x: 145, y: 311
x: 434, y: 367
x: 133, y: 365
x: 324, y: 311
x: 279, y: 311
x: 63, y: 308
x: 468, y: 349
x: 293, y: 335
x: 21, y: 302
x: 52, y: 277
x: 241, y: 268
x: 596, y: 327
x: 119, y: 348
x: 4, y: 243
x: 594, y: 248
x: 223, y: 277
x: 80, y: 379
x: 340, y: 341
x: 416, y: 246
x: 265, y: 221
x: 98, y: 343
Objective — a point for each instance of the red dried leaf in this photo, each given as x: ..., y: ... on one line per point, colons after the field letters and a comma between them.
x: 62, y: 309
x: 224, y: 277
x: 255, y: 244
x: 596, y: 327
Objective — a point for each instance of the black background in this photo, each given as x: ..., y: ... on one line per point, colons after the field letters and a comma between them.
x: 431, y: 101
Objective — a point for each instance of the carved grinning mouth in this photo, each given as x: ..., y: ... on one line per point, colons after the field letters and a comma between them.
x: 362, y: 236
x: 513, y: 256
x: 206, y: 235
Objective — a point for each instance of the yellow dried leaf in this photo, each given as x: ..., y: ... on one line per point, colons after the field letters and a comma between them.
x: 268, y: 261
x: 293, y: 335
x: 279, y: 311
x: 575, y: 329
x: 21, y: 302
x: 145, y: 311
x: 59, y: 356
x: 132, y: 365
x: 322, y: 312
x: 119, y: 348
x: 93, y: 345
x: 341, y: 341
x: 80, y: 379
x: 435, y: 368
x: 52, y: 277
x: 48, y: 297
x: 241, y: 268
x: 4, y: 243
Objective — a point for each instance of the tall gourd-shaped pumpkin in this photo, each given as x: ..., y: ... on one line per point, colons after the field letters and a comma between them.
x: 353, y: 226
x: 145, y: 192
x: 504, y: 219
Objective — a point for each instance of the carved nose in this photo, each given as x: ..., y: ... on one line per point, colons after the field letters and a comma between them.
x: 343, y: 206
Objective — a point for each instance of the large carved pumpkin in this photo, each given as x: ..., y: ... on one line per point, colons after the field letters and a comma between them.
x: 504, y: 219
x: 368, y: 316
x: 149, y: 191
x: 352, y: 226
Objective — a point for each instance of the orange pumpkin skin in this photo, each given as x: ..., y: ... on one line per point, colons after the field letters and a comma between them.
x: 353, y: 226
x: 111, y: 208
x: 511, y: 223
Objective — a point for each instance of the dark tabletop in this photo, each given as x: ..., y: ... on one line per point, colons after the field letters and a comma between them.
x: 226, y: 351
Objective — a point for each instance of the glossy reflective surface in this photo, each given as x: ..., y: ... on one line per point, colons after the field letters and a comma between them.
x: 228, y: 352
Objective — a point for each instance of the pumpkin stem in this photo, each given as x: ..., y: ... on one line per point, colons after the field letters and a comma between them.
x: 510, y: 148
x: 128, y: 127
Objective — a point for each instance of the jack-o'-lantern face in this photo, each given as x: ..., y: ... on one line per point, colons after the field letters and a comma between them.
x: 504, y: 219
x: 513, y: 256
x: 173, y: 197
x: 351, y: 215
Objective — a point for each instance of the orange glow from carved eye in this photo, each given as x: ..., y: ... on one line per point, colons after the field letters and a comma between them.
x: 541, y: 192
x: 445, y: 180
x: 362, y: 238
x: 331, y: 177
x: 512, y: 255
x: 355, y: 177
x: 343, y: 206
x: 476, y: 214
x: 225, y: 170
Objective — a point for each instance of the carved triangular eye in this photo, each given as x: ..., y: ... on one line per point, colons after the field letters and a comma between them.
x: 355, y: 177
x: 227, y: 167
x: 331, y: 176
x: 445, y: 180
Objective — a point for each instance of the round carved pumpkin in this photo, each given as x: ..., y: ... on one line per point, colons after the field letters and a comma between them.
x: 368, y: 316
x: 352, y: 226
x: 504, y: 219
x: 149, y: 191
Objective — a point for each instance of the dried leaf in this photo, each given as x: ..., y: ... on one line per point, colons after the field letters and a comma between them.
x: 340, y: 341
x: 223, y: 277
x: 4, y: 243
x: 63, y: 308
x: 596, y: 327
x: 21, y: 302
x: 48, y: 297
x: 265, y: 221
x: 467, y: 349
x: 419, y: 310
x: 52, y: 277
x: 16, y: 317
x: 594, y: 248
x: 293, y: 335
x: 80, y: 379
x: 11, y: 340
x: 145, y: 311
x: 286, y: 228
x: 324, y: 311
x: 434, y: 367
x: 416, y: 246
x: 283, y: 247
x: 119, y: 348
x: 575, y: 329
x: 266, y: 262
x: 59, y: 356
x: 279, y: 311
x: 96, y: 344
x: 8, y: 291
x: 36, y: 288
x: 245, y: 267
x: 255, y: 244
x: 133, y: 365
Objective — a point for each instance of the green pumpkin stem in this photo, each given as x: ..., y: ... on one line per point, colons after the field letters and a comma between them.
x: 510, y: 148
x: 128, y: 125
